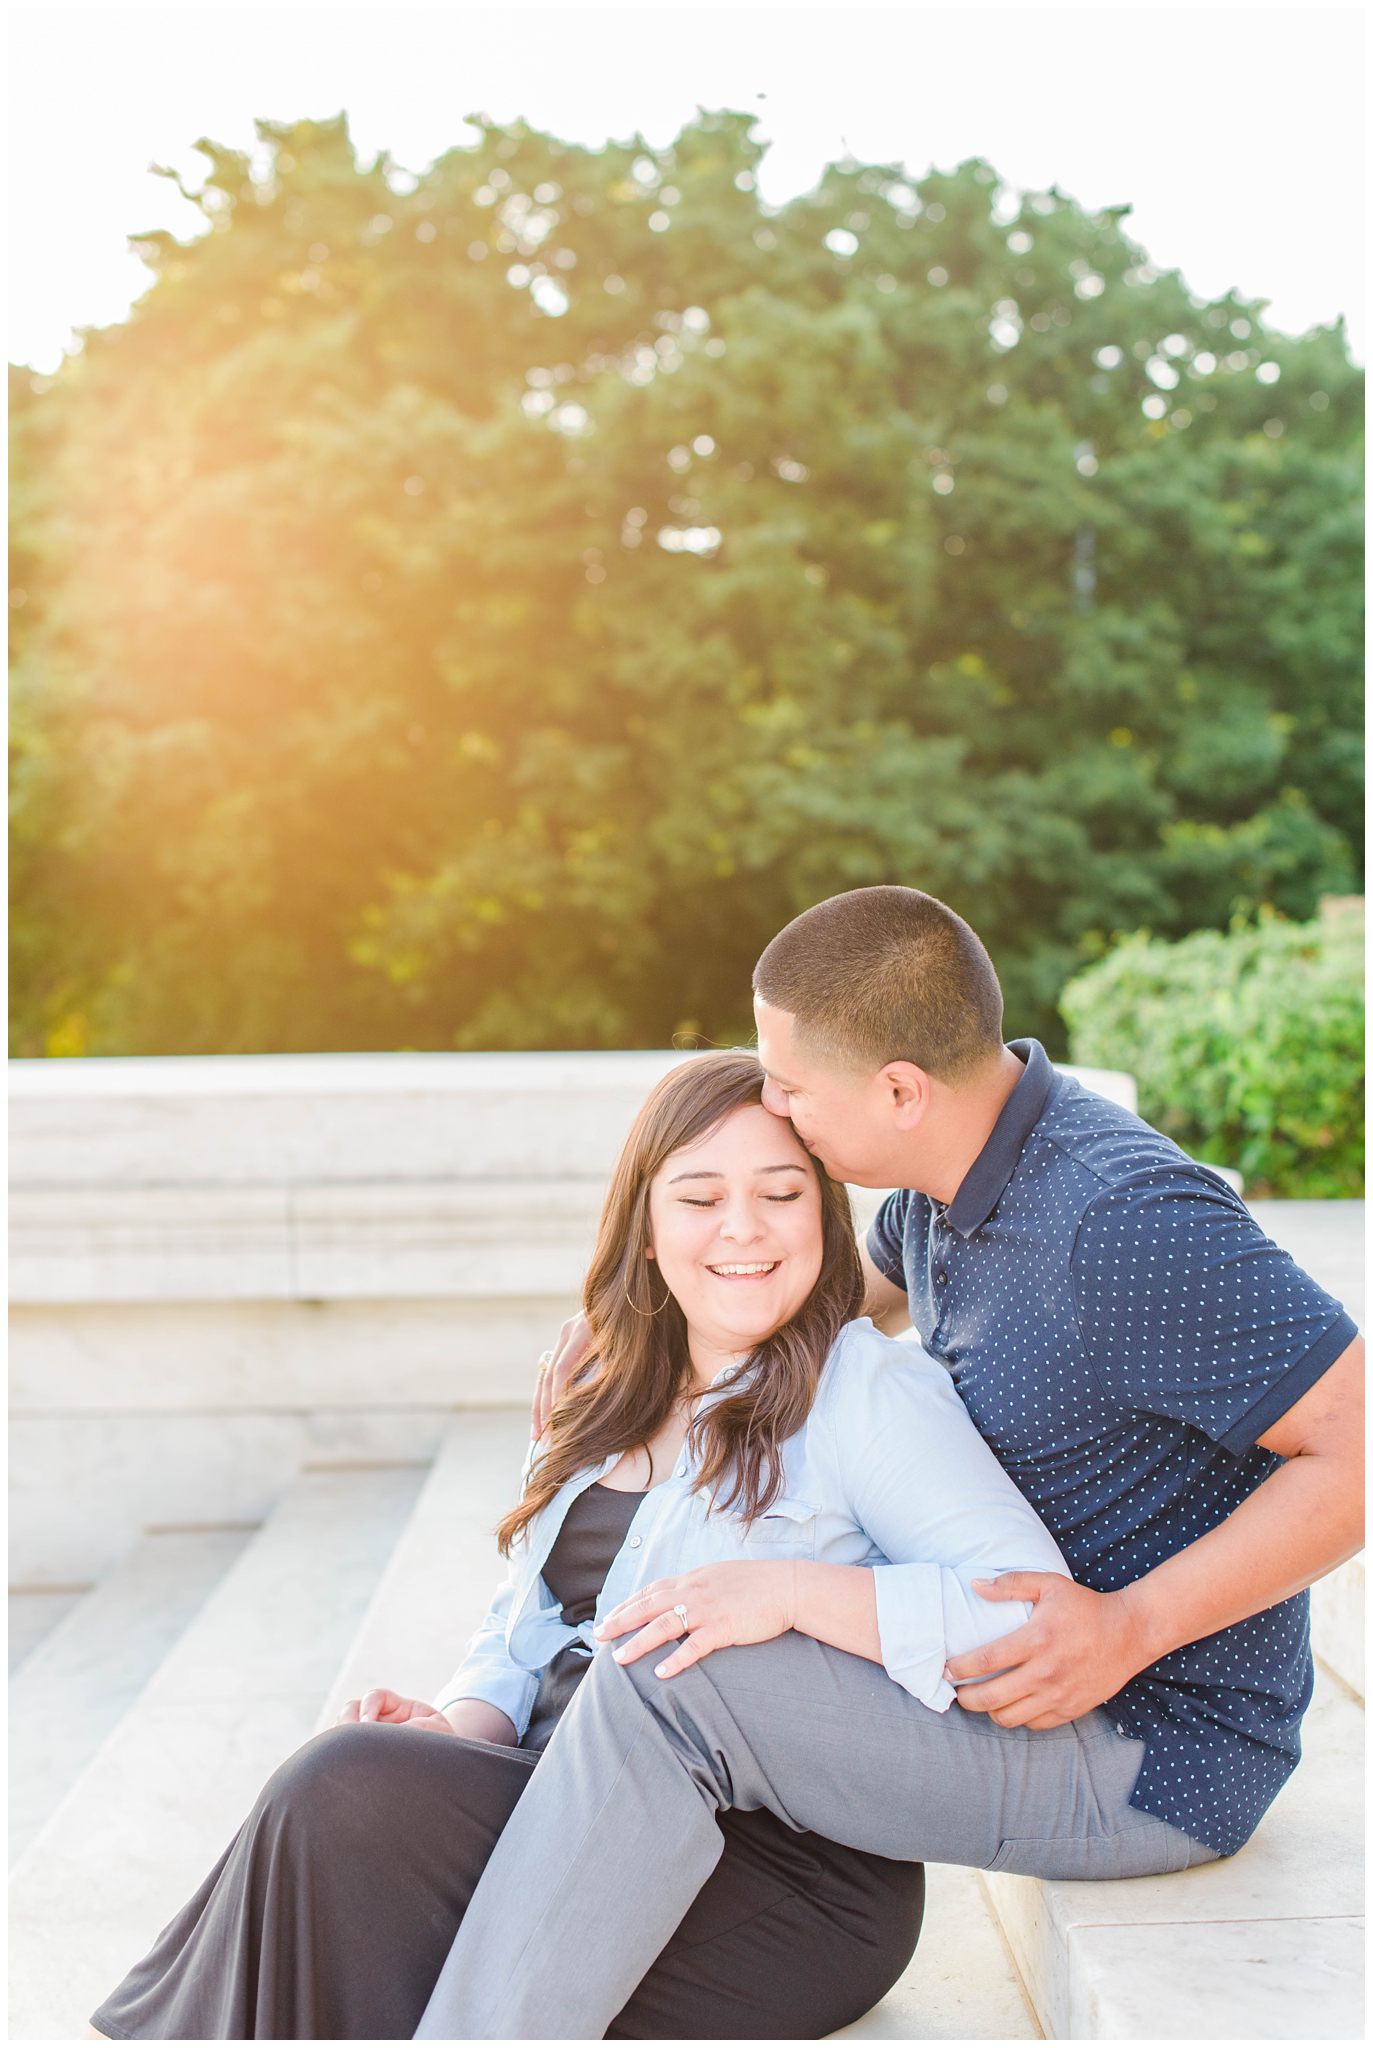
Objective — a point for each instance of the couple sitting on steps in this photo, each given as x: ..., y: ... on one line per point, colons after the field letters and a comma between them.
x: 792, y: 1608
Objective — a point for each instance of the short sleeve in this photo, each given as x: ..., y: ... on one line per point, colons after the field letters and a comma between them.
x: 1187, y: 1310
x: 887, y: 1237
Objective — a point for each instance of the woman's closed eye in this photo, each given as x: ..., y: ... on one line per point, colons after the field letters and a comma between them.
x: 713, y: 1201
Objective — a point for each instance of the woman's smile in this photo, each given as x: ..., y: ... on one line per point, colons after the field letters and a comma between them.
x: 736, y: 1233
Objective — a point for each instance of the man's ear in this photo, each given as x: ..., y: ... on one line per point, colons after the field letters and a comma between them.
x: 907, y: 1089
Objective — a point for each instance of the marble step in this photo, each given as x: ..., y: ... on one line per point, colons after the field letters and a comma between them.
x: 434, y: 1590
x: 34, y: 1612
x: 74, y: 1688
x: 1337, y: 1623
x: 171, y: 1783
x: 960, y: 1984
x: 1265, y: 1946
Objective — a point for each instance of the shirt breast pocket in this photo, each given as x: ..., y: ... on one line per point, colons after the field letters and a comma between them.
x: 786, y: 1529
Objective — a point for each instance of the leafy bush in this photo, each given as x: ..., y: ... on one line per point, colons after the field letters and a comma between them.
x: 1247, y: 1045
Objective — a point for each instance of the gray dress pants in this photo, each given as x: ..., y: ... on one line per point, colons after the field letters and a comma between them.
x: 616, y: 1832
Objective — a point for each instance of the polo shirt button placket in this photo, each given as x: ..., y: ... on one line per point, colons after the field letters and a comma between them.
x: 941, y: 1282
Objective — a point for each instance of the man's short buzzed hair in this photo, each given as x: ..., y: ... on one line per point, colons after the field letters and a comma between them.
x: 886, y: 974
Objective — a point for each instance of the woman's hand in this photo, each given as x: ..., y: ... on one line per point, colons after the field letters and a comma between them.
x: 556, y: 1367
x: 477, y: 1720
x: 740, y: 1602
x: 392, y: 1708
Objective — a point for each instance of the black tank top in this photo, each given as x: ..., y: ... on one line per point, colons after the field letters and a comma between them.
x: 574, y: 1572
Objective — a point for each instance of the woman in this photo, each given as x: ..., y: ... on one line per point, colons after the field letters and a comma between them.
x: 733, y: 1417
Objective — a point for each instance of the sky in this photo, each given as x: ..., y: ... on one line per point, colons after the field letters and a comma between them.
x: 1235, y: 133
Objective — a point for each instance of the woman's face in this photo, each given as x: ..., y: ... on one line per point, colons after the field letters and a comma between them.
x: 735, y: 1227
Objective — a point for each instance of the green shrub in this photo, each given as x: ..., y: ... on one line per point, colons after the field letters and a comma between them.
x: 1247, y: 1045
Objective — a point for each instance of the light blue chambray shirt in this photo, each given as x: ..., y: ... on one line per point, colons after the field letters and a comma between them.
x: 886, y: 1471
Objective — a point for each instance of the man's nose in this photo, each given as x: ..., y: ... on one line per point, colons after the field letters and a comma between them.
x: 774, y: 1099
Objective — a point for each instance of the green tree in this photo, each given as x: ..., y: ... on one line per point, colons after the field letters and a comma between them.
x: 478, y: 610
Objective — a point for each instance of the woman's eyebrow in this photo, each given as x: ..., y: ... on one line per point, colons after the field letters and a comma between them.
x: 706, y: 1173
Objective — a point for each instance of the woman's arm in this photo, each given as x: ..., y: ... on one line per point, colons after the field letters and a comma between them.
x: 488, y: 1676
x: 919, y: 1480
x: 927, y: 1488
x: 472, y: 1718
x: 490, y: 1697
x: 481, y: 1722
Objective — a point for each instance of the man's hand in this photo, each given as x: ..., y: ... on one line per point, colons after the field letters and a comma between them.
x: 725, y: 1603
x: 1077, y: 1649
x: 396, y: 1711
x: 556, y: 1367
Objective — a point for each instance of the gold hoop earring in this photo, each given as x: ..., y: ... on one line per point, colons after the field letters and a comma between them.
x: 649, y: 1313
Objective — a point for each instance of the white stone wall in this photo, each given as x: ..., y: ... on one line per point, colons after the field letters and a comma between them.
x: 223, y: 1269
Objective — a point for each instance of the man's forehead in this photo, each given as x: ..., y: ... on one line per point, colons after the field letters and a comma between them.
x: 777, y: 1023
x: 774, y: 1037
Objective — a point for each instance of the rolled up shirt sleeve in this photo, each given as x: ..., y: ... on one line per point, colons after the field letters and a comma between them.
x: 488, y: 1671
x: 929, y: 1492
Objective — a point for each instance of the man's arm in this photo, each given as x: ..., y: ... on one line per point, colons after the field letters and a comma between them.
x: 883, y: 1300
x: 1079, y: 1647
x: 1305, y: 1519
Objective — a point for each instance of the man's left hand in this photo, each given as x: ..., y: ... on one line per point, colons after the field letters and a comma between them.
x: 1077, y: 1649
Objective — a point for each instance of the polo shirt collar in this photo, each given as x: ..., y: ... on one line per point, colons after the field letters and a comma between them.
x: 984, y: 1183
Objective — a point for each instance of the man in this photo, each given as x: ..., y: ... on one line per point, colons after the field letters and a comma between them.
x: 1178, y: 1400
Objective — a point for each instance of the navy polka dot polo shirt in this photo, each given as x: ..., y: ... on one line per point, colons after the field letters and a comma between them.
x: 1122, y: 1333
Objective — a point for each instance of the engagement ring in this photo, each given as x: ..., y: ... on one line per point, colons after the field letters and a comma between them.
x: 680, y: 1613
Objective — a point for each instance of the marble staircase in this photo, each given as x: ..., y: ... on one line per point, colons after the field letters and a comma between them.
x: 237, y: 1691
x: 273, y: 1324
x: 366, y: 1576
x: 82, y: 1678
x: 356, y: 1578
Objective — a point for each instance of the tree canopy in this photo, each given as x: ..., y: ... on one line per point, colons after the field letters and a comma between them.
x: 478, y: 610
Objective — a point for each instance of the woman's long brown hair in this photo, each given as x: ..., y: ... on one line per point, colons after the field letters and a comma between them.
x: 639, y: 1362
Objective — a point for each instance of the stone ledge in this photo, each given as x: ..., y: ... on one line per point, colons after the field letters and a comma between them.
x: 139, y: 1359
x: 241, y: 1118
x: 326, y: 1241
x: 85, y: 1487
x: 1337, y: 1623
x: 1306, y: 1978
x: 318, y: 1117
x: 1255, y: 1947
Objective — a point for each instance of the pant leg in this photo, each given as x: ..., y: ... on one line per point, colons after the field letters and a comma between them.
x: 617, y: 1833
x: 790, y: 1938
